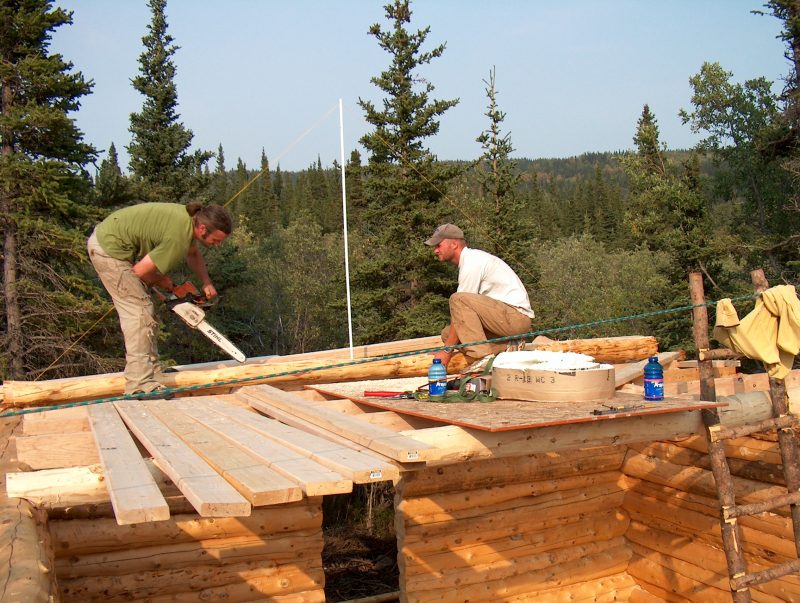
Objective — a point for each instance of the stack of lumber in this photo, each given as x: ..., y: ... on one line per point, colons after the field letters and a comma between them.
x: 674, y: 532
x: 273, y: 554
x: 111, y: 542
x: 542, y: 527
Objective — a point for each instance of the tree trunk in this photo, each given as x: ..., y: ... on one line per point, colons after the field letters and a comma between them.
x: 13, y: 321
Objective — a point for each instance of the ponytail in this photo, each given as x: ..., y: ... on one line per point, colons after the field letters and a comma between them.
x: 214, y: 217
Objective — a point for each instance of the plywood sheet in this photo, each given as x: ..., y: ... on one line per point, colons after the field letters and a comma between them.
x: 505, y: 415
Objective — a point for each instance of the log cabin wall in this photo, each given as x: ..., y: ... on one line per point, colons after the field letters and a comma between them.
x: 674, y: 532
x: 637, y: 523
x: 274, y: 554
x: 542, y: 527
x: 26, y: 550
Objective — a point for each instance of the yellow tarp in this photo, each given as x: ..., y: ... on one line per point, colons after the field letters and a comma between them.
x: 770, y: 333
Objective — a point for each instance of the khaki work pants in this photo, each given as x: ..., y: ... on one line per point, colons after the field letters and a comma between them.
x: 478, y: 317
x: 136, y: 317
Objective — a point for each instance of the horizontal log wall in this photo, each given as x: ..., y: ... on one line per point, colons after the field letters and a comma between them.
x: 533, y: 528
x: 26, y: 552
x: 274, y: 554
x: 674, y: 533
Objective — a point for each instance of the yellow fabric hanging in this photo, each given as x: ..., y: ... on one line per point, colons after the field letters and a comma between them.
x: 770, y: 333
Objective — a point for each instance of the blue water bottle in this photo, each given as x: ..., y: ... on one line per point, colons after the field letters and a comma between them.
x: 653, y: 379
x: 437, y: 380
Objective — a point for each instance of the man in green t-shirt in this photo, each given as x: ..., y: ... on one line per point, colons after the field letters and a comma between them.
x: 135, y: 248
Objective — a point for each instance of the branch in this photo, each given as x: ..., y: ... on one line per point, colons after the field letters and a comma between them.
x: 792, y: 239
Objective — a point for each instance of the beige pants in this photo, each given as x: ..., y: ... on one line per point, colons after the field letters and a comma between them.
x: 478, y: 317
x: 136, y: 317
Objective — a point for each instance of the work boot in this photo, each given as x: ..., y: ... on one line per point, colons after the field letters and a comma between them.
x: 158, y: 393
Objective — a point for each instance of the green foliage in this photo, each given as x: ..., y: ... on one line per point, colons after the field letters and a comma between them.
x: 733, y: 117
x: 505, y: 223
x: 666, y: 211
x: 306, y: 288
x: 112, y: 188
x: 612, y: 284
x: 159, y: 157
x: 47, y: 296
x: 596, y: 236
x: 403, y: 185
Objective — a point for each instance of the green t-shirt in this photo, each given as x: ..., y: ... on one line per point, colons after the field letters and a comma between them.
x: 162, y: 230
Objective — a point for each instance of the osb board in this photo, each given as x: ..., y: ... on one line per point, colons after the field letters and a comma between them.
x: 504, y: 415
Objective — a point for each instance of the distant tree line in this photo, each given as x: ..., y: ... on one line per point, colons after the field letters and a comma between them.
x: 593, y: 237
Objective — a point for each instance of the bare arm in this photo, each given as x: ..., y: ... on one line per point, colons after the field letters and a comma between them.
x: 452, y: 339
x: 198, y: 265
x: 147, y: 272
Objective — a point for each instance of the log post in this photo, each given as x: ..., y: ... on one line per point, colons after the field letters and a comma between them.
x: 787, y: 438
x: 731, y: 531
x: 700, y: 330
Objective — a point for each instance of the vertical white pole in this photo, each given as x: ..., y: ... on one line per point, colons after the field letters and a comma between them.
x: 344, y: 219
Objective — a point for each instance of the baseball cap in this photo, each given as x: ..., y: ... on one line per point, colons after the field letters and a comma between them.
x: 445, y: 231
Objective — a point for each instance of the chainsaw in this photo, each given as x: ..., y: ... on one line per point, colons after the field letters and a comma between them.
x: 188, y: 303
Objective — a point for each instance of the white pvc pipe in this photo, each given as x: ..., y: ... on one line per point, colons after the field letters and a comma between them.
x: 344, y: 219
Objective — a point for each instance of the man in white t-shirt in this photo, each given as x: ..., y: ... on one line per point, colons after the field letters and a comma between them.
x: 491, y: 300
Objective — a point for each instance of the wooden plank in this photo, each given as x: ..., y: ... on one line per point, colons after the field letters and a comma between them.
x: 43, y: 488
x: 253, y: 478
x: 134, y: 494
x: 70, y: 487
x: 302, y: 425
x: 511, y: 415
x: 715, y: 363
x: 458, y: 443
x: 207, y: 491
x: 385, y: 441
x: 357, y: 465
x: 53, y: 450
x: 313, y: 478
x: 63, y: 420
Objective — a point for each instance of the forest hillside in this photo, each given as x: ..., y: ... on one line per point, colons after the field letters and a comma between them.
x: 604, y: 242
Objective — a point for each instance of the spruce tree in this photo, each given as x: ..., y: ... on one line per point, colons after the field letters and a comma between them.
x: 48, y: 302
x: 219, y: 180
x: 266, y: 217
x: 112, y: 188
x: 401, y: 290
x: 668, y: 213
x: 499, y: 179
x: 159, y: 149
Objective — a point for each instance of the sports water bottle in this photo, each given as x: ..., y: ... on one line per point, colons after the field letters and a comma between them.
x: 653, y: 379
x: 437, y: 380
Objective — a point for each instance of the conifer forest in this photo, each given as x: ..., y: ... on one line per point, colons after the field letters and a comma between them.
x: 594, y: 237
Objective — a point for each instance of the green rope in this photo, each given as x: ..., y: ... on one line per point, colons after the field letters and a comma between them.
x: 242, y: 380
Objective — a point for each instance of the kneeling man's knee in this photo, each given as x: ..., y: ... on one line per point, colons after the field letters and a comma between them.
x: 459, y: 299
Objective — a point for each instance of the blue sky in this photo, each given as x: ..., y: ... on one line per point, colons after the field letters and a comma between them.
x: 572, y: 75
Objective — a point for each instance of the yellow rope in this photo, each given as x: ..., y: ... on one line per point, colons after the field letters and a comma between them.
x: 284, y: 152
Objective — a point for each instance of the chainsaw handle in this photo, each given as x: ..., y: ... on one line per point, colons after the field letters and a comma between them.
x: 185, y: 290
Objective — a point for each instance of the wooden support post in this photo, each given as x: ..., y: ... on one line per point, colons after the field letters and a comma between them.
x: 787, y: 438
x: 731, y: 531
x: 700, y: 330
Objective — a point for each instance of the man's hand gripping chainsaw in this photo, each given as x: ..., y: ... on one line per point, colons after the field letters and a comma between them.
x: 188, y: 303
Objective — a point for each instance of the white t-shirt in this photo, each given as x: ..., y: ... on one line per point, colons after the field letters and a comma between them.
x: 485, y: 274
